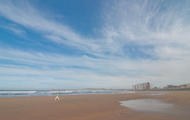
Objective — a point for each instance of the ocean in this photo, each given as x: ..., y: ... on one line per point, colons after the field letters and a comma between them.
x: 22, y: 93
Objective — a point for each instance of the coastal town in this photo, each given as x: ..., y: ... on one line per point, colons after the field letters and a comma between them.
x: 147, y: 86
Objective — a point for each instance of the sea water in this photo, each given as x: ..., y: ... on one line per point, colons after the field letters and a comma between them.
x: 17, y: 93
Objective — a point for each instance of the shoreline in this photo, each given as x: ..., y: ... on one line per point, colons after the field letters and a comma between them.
x: 86, y: 107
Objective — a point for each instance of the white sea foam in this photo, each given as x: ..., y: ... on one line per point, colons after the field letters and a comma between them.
x: 17, y: 92
x: 12, y: 93
x: 62, y: 91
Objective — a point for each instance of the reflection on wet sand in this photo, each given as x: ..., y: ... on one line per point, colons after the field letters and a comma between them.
x: 148, y: 105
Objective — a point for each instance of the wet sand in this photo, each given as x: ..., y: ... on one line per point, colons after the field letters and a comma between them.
x: 90, y: 107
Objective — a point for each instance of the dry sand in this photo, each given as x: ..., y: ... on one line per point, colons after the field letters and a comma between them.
x: 88, y: 107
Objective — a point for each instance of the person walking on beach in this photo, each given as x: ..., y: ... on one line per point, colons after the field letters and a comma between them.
x: 57, y: 98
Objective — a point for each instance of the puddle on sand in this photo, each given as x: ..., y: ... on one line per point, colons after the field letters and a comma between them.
x: 148, y: 105
x: 154, y: 93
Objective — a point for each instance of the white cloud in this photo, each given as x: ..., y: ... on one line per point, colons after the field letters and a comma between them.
x: 126, y: 23
x: 156, y: 23
x: 14, y: 29
x: 25, y: 14
x: 95, y: 72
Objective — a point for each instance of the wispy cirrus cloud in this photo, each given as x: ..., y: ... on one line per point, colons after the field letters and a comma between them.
x: 95, y: 72
x: 141, y: 41
x: 25, y: 14
x: 14, y: 29
x: 126, y: 23
x: 155, y: 23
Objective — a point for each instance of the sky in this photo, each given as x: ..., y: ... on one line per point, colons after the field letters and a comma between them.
x: 71, y: 44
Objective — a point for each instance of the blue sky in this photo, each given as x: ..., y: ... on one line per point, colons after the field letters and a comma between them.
x: 93, y: 43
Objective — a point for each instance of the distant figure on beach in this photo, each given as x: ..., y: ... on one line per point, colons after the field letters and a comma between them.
x: 57, y: 97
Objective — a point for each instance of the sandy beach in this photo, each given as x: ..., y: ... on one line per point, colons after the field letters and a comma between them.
x: 89, y: 107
